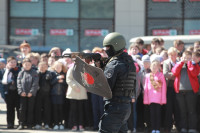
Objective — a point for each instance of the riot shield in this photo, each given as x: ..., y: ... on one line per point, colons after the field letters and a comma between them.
x: 91, y: 78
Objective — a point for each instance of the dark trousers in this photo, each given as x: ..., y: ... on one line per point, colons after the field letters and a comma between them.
x: 66, y: 112
x: 12, y: 104
x: 97, y: 108
x: 171, y: 110
x: 114, y: 119
x: 43, y: 109
x: 130, y: 119
x: 140, y: 112
x: 58, y: 115
x: 27, y: 110
x: 88, y: 115
x: 76, y: 112
x: 147, y: 117
x: 187, y: 101
x: 155, y: 114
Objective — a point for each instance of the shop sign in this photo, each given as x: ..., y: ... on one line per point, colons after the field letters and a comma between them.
x: 164, y: 32
x: 164, y: 0
x: 96, y: 32
x: 61, y: 0
x: 27, y: 31
x: 61, y: 32
x: 26, y: 0
x: 194, y: 0
x: 194, y: 32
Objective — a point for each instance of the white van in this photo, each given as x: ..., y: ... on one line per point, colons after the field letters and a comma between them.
x: 168, y: 40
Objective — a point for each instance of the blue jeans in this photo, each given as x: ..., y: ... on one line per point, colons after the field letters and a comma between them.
x: 114, y: 119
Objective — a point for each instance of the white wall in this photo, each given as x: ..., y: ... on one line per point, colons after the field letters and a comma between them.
x: 3, y: 21
x: 130, y: 18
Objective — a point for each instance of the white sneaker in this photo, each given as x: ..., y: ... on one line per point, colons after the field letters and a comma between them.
x: 46, y: 126
x: 134, y: 130
x: 56, y: 127
x: 129, y: 131
x: 61, y: 127
x: 37, y: 127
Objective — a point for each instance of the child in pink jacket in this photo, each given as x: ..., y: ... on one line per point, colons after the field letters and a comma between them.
x: 155, y: 94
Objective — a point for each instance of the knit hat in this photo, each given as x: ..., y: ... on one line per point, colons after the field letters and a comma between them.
x: 2, y: 60
x: 156, y: 57
x: 145, y: 58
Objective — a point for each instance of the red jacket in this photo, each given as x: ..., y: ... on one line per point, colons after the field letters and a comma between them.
x: 192, y: 70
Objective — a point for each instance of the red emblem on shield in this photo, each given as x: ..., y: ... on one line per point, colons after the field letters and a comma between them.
x: 88, y: 78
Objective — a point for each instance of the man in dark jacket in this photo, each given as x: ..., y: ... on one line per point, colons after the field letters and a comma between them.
x: 120, y: 72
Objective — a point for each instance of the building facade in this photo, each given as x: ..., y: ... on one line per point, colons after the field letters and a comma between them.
x: 82, y: 24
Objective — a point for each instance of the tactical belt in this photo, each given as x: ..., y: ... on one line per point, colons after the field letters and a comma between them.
x: 118, y: 100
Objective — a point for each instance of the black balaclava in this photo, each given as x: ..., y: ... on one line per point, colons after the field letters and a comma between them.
x: 110, y: 52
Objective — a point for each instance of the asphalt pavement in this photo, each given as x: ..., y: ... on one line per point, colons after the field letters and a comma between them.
x: 3, y: 124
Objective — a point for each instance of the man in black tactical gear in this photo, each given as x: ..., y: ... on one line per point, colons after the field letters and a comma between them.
x: 120, y: 72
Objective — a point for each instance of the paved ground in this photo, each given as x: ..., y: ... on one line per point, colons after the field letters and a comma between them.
x: 3, y: 127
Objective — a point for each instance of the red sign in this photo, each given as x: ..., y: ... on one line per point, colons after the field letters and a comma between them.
x: 61, y: 0
x: 194, y: 32
x: 27, y: 0
x: 26, y: 31
x: 61, y: 32
x: 96, y: 32
x: 164, y: 32
x: 164, y: 0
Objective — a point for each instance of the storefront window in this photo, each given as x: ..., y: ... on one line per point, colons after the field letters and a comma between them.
x: 192, y: 9
x: 160, y: 9
x: 192, y: 27
x: 164, y: 27
x: 62, y: 8
x: 97, y: 9
x: 93, y: 33
x: 62, y: 33
x: 74, y: 24
x: 26, y: 29
x: 22, y: 8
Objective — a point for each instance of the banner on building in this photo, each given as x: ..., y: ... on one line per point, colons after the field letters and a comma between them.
x: 194, y: 32
x: 96, y: 32
x: 26, y: 0
x: 27, y: 32
x: 164, y: 32
x: 164, y: 0
x: 61, y: 32
x: 61, y: 0
x: 194, y: 0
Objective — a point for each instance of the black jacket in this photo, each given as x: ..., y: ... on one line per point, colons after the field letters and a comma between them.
x: 45, y: 82
x: 12, y: 85
x: 118, y: 69
x: 58, y: 88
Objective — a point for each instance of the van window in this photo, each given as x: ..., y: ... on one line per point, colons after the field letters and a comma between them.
x: 168, y: 40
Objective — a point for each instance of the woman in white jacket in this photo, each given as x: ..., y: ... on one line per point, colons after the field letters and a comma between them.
x: 77, y: 95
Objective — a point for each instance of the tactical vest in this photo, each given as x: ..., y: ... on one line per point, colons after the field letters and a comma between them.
x: 126, y: 87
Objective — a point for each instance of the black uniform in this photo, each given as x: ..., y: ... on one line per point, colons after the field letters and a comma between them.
x: 120, y: 72
x: 43, y: 100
